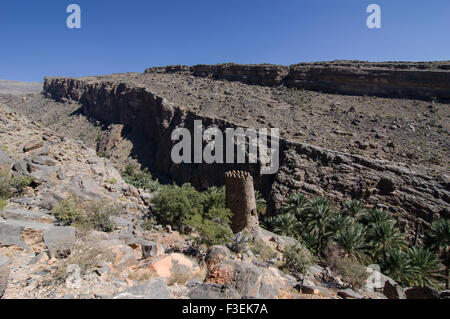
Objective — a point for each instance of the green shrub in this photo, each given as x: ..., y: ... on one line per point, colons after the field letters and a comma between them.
x: 211, y: 232
x: 91, y: 215
x: 264, y: 251
x: 205, y: 212
x: 352, y: 272
x: 148, y: 223
x: 98, y: 216
x: 12, y: 186
x: 2, y: 204
x: 68, y: 211
x: 140, y: 179
x: 175, y: 205
x: 298, y: 259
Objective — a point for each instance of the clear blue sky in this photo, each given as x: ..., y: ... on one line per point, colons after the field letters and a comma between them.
x: 122, y: 36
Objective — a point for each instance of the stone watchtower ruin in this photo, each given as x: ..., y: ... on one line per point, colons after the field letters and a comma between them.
x: 240, y: 199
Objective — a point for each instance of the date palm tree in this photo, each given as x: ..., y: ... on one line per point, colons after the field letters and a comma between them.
x: 261, y: 204
x: 376, y: 216
x: 317, y: 219
x: 354, y: 208
x: 397, y: 265
x: 296, y: 204
x: 339, y: 221
x: 352, y: 239
x: 439, y: 241
x: 426, y: 266
x: 384, y: 237
x: 287, y: 225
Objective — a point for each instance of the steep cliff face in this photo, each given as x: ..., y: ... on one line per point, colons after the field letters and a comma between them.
x: 310, y: 169
x: 419, y: 80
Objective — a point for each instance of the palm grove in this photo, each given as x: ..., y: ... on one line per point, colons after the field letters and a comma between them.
x: 364, y: 236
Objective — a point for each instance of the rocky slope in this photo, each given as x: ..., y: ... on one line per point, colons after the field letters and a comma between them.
x: 39, y: 258
x: 155, y: 103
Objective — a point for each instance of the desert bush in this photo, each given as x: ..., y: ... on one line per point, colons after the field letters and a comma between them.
x: 148, y: 223
x: 298, y: 259
x: 68, y: 211
x: 91, y: 215
x: 12, y: 186
x: 178, y: 278
x: 352, y: 271
x: 140, y: 179
x: 264, y: 251
x: 98, y: 216
x: 2, y: 204
x: 86, y: 256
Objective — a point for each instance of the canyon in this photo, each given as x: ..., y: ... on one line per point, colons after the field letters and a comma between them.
x: 378, y: 158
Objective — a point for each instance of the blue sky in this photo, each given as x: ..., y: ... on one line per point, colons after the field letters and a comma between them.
x: 123, y: 36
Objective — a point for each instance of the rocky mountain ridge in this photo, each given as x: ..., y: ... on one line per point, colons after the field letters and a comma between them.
x: 423, y: 80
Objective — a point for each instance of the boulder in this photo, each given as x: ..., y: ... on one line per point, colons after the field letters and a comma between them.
x: 213, y: 291
x: 393, y: 291
x: 215, y: 255
x: 172, y: 265
x: 309, y: 290
x: 152, y: 250
x: 44, y: 160
x: 21, y: 167
x: 422, y: 293
x: 10, y: 235
x: 33, y: 145
x: 156, y: 289
x: 377, y: 280
x: 249, y: 280
x: 4, y: 274
x: 59, y: 240
x: 349, y: 294
x: 124, y: 256
x: 5, y: 162
x: 386, y: 185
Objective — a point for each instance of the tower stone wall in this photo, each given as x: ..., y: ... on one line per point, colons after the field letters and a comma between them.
x: 240, y: 199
